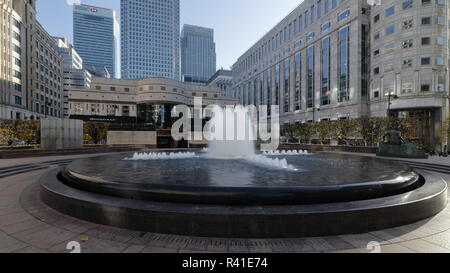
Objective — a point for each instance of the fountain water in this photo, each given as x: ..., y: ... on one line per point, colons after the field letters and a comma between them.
x: 161, y: 156
x: 228, y: 122
x: 228, y: 143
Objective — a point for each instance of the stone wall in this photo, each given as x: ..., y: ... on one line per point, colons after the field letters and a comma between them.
x: 58, y: 134
x: 132, y: 138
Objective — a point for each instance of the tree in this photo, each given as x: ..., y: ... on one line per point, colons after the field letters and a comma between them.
x: 323, y: 130
x: 344, y: 129
x: 371, y: 129
x: 95, y: 131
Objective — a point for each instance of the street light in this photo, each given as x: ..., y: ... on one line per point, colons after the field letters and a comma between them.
x: 393, y: 96
x: 314, y: 113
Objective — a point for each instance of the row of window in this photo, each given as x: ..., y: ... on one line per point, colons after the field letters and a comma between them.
x: 299, y: 24
x: 405, y: 5
x: 270, y: 81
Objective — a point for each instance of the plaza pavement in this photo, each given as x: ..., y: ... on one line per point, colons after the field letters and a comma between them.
x: 28, y: 225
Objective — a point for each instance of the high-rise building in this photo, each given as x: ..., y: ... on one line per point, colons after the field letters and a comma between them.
x: 96, y: 36
x: 30, y: 67
x: 198, y: 54
x: 150, y: 38
x: 340, y: 59
x: 74, y: 74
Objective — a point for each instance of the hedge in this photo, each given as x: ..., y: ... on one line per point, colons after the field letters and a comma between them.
x: 368, y: 130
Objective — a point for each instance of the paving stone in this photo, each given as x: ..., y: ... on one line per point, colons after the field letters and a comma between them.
x: 361, y: 240
x: 320, y: 244
x: 31, y: 249
x: 10, y: 244
x: 13, y: 218
x: 158, y: 250
x: 423, y: 246
x: 47, y: 238
x: 23, y: 226
x: 395, y: 248
x: 134, y: 249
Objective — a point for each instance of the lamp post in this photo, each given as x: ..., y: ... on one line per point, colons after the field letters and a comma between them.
x: 314, y: 113
x: 390, y: 97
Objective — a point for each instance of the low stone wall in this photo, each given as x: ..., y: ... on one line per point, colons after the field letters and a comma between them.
x: 132, y: 138
x: 323, y: 148
x: 25, y: 153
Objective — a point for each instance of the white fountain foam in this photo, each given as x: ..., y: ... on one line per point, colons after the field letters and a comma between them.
x: 290, y: 152
x: 161, y: 156
x: 270, y: 162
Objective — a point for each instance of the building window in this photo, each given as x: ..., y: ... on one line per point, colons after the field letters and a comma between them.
x: 344, y: 61
x: 112, y: 88
x: 390, y: 30
x: 389, y: 11
x: 344, y: 15
x: 376, y: 53
x: 425, y: 61
x: 17, y: 100
x: 277, y: 84
x: 407, y: 63
x: 389, y: 47
x: 287, y: 91
x: 426, y: 20
x: 310, y: 76
x: 426, y: 41
x: 407, y: 24
x: 98, y: 88
x: 376, y: 71
x: 376, y: 18
x: 407, y: 4
x: 407, y: 88
x: 269, y: 91
x: 325, y: 64
x: 407, y: 43
x: 298, y: 78
x: 425, y: 88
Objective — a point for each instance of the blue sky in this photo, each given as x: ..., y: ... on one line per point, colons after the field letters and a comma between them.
x: 238, y: 24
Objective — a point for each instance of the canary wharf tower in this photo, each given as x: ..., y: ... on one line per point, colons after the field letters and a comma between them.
x: 150, y: 38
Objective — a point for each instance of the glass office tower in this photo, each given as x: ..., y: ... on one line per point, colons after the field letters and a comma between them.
x: 198, y: 54
x: 150, y: 38
x: 96, y: 37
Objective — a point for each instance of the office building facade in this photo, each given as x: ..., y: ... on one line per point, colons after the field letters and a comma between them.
x: 150, y: 39
x: 96, y: 36
x: 340, y: 59
x: 198, y: 54
x: 145, y: 101
x: 223, y: 79
x: 74, y: 74
x: 31, y: 69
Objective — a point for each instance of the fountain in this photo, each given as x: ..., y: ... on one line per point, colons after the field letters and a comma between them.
x: 230, y: 190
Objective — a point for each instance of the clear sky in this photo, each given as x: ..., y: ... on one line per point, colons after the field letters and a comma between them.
x: 238, y: 24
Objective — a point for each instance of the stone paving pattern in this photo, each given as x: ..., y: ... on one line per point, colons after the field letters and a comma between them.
x: 27, y: 225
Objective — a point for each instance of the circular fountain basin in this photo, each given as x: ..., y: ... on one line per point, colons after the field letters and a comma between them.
x: 320, y: 178
x: 328, y: 194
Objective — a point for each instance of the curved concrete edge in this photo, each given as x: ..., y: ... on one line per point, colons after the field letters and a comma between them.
x: 247, y: 222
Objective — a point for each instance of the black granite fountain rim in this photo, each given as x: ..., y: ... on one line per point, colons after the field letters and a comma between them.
x: 290, y: 221
x: 244, y: 195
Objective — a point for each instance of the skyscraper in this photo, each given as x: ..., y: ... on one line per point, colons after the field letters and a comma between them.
x: 150, y: 38
x: 198, y: 54
x: 96, y: 37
